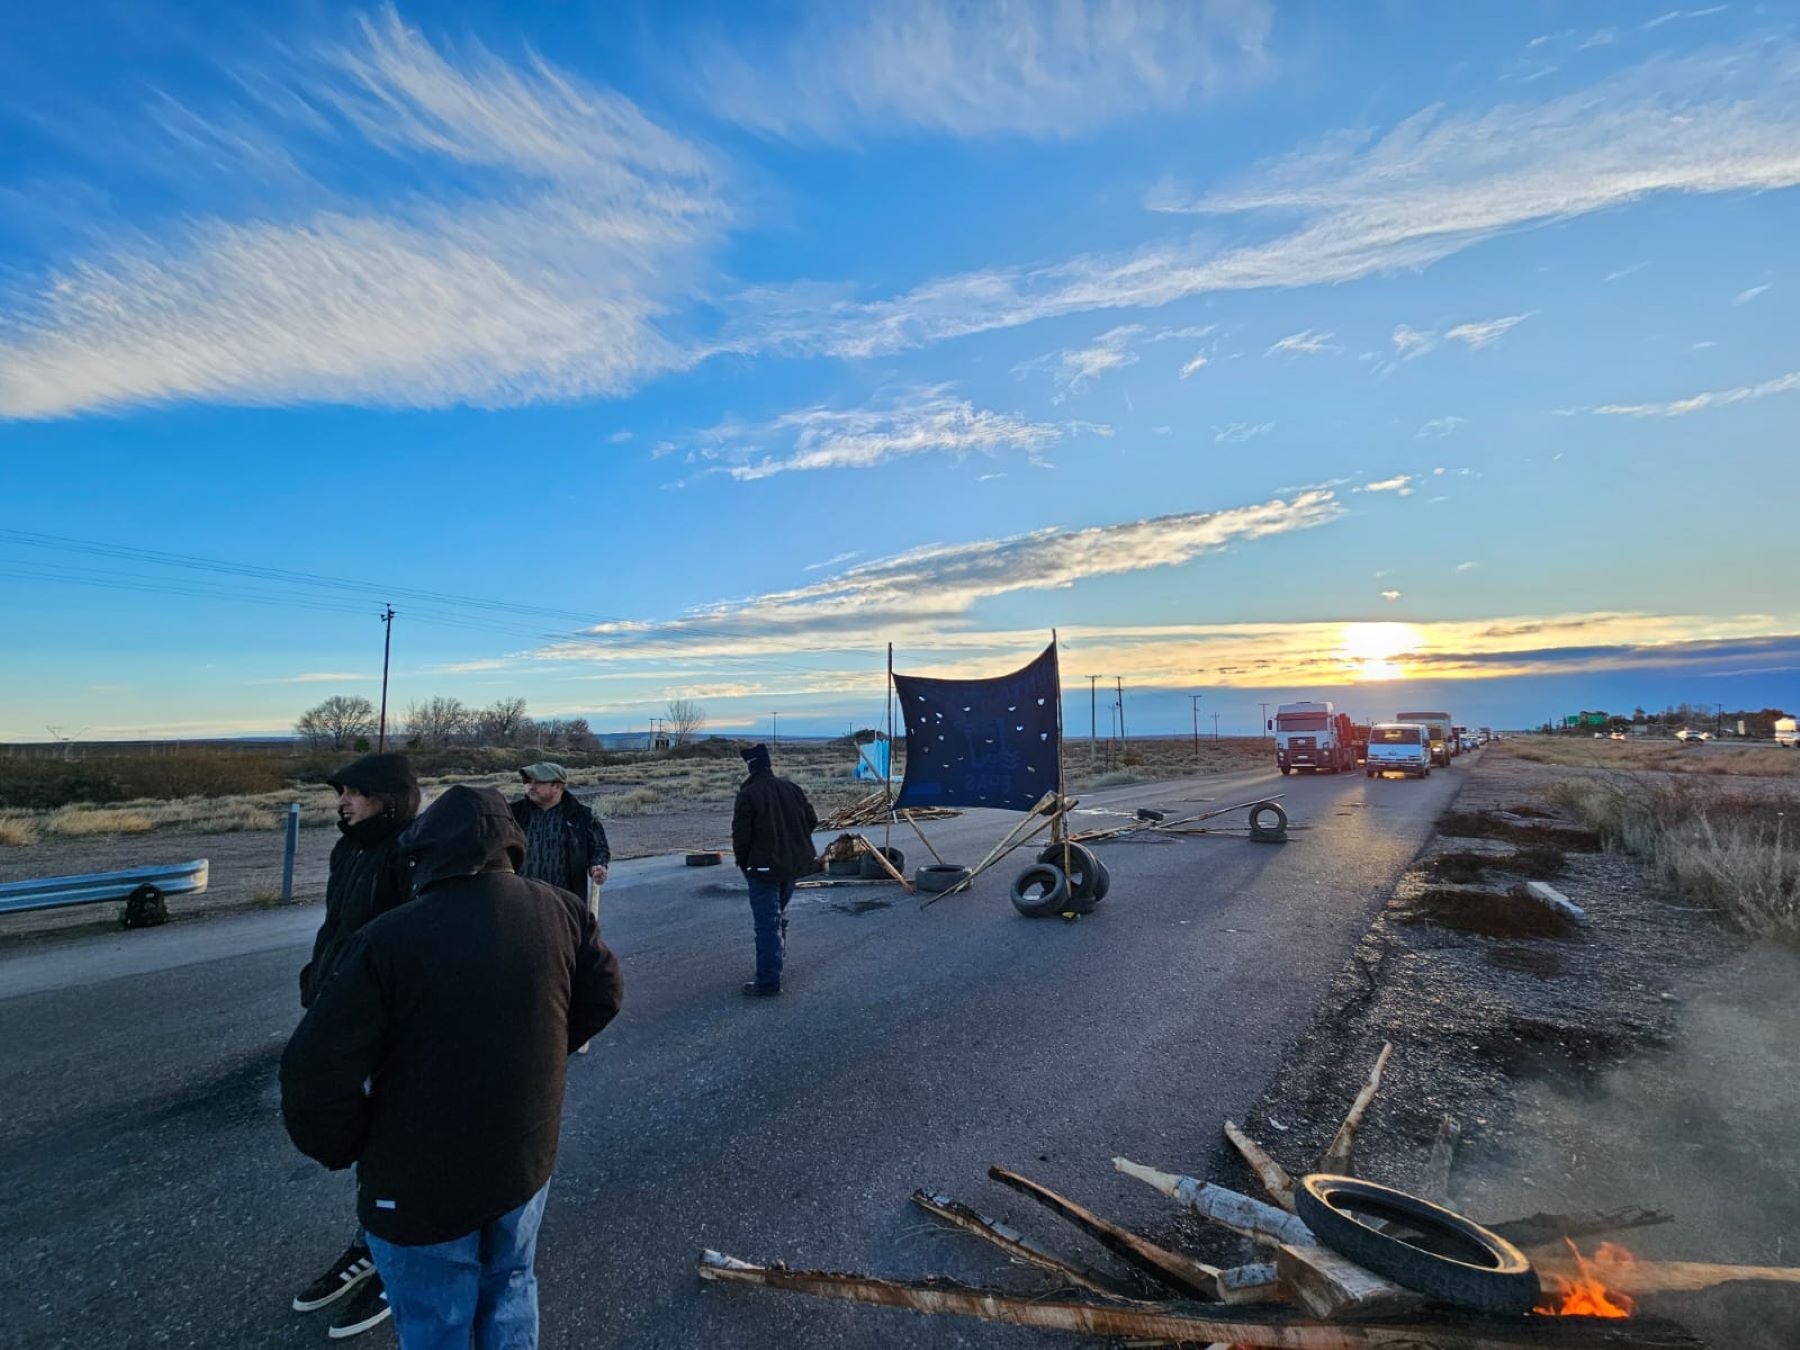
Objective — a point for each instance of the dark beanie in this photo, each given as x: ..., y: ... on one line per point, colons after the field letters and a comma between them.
x: 757, y: 757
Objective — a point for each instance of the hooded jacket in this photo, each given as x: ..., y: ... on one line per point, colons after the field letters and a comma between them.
x: 459, y: 1010
x: 367, y: 876
x: 584, y: 838
x: 772, y: 823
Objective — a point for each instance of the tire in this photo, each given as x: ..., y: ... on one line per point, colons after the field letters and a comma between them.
x: 704, y: 859
x: 843, y: 867
x: 874, y: 871
x: 1268, y: 833
x: 937, y: 877
x: 1464, y: 1264
x: 1082, y: 871
x: 1055, y: 896
x: 1102, y: 881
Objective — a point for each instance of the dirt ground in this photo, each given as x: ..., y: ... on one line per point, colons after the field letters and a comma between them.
x: 1649, y: 1057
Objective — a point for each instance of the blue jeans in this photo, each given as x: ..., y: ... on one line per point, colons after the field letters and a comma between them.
x: 477, y: 1290
x: 768, y: 911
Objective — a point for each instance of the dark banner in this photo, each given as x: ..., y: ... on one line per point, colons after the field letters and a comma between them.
x: 981, y: 742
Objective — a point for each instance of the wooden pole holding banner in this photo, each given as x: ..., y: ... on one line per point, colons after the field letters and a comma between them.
x: 887, y: 836
x: 1059, y: 829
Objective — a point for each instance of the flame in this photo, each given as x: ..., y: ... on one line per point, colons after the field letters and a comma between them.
x: 1586, y: 1295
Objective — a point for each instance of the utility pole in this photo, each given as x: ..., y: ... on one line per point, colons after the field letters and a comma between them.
x: 1265, y: 717
x: 1124, y: 741
x: 1194, y: 699
x: 387, y: 648
x: 1215, y: 726
x: 1093, y: 716
x: 775, y: 729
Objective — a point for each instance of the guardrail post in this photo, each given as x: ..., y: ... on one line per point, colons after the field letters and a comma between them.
x: 290, y: 845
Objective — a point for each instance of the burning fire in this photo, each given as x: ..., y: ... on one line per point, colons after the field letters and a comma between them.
x: 1586, y: 1295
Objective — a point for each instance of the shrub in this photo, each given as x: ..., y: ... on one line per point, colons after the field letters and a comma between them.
x: 1118, y: 778
x: 17, y: 833
x: 78, y: 821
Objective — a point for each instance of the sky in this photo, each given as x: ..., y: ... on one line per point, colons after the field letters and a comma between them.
x: 1391, y: 353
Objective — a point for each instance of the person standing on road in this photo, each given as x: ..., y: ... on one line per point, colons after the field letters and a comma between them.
x: 772, y: 825
x: 378, y: 797
x: 565, y: 843
x: 435, y: 1061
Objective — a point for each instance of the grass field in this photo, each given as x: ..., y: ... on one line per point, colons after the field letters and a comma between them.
x: 626, y: 787
x: 1727, y: 760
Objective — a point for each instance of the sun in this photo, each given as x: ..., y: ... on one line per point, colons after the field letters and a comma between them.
x: 1370, y: 648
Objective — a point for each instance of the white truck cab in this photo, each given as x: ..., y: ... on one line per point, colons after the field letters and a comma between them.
x: 1399, y: 747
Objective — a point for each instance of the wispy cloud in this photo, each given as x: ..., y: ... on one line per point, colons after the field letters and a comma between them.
x: 1621, y: 273
x: 1400, y: 482
x: 1675, y: 14
x: 1390, y: 596
x: 1412, y: 342
x: 1076, y: 370
x: 837, y: 560
x: 1236, y: 433
x: 1310, y: 342
x: 1746, y: 296
x: 319, y: 677
x: 891, y: 66
x: 1482, y: 334
x: 1437, y: 183
x: 1439, y: 427
x: 1194, y: 366
x: 563, y: 226
x: 1467, y: 566
x: 1718, y: 398
x: 924, y: 421
x: 930, y: 591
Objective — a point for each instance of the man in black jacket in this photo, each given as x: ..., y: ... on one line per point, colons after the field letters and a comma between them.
x: 565, y: 843
x: 378, y: 797
x: 458, y: 1011
x: 772, y: 824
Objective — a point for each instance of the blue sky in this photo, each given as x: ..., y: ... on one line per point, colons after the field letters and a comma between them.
x: 703, y: 350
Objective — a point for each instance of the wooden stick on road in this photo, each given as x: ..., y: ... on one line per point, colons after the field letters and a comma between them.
x: 1339, y: 1154
x: 1273, y: 1175
x: 1015, y: 1244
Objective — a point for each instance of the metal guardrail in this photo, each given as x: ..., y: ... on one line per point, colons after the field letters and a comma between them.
x: 16, y: 897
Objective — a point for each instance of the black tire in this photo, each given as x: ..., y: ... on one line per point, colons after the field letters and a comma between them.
x: 936, y: 877
x: 1082, y: 870
x: 874, y: 871
x: 1102, y: 881
x: 843, y: 867
x: 1054, y: 898
x: 704, y: 859
x: 1452, y: 1259
x: 1261, y: 831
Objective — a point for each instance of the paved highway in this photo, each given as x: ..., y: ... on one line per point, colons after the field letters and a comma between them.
x: 149, y: 1197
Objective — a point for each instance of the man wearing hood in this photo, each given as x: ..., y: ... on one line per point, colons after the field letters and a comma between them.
x: 435, y: 1059
x: 772, y: 825
x: 378, y: 797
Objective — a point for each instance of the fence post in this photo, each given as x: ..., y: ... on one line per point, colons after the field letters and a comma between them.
x: 290, y: 845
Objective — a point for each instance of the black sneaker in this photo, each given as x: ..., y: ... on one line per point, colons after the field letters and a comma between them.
x: 754, y: 990
x: 368, y: 1309
x: 348, y: 1271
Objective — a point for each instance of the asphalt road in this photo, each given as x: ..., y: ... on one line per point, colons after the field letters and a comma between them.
x: 149, y: 1197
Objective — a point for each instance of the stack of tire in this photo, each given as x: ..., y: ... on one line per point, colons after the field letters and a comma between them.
x: 1044, y: 888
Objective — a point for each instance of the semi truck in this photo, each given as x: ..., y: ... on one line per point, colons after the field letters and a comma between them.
x: 1443, y: 741
x: 1313, y: 736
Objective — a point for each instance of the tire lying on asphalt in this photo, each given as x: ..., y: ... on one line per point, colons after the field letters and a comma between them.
x: 704, y: 859
x: 1102, y: 881
x: 1260, y: 826
x: 936, y: 877
x: 1451, y: 1258
x: 1040, y: 891
x: 1082, y: 869
x: 843, y: 867
x: 874, y: 871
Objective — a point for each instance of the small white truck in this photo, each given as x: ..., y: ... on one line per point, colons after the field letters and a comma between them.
x: 1399, y: 747
x: 1787, y: 732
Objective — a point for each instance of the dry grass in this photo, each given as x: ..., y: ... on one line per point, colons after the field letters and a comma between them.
x: 1659, y: 756
x: 17, y: 832
x: 78, y: 822
x: 1719, y: 849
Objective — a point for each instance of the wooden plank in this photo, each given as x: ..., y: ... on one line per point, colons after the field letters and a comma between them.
x: 886, y: 866
x: 1338, y: 1155
x: 1015, y: 1244
x: 1173, y: 1270
x: 1263, y: 1327
x: 1329, y: 1285
x: 907, y: 816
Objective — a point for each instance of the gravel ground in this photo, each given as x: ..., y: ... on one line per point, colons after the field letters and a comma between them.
x: 1650, y: 1057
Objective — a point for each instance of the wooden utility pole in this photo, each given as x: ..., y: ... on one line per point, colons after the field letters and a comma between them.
x: 1093, y: 717
x: 1215, y: 726
x: 1195, y: 700
x: 1124, y: 740
x: 387, y: 648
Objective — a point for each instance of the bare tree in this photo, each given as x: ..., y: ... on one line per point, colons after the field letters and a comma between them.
x: 338, y: 721
x: 503, y: 723
x: 577, y: 735
x: 687, y: 718
x: 437, y: 721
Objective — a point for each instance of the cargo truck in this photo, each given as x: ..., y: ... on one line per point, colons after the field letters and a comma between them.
x: 1313, y: 736
x: 1438, y: 724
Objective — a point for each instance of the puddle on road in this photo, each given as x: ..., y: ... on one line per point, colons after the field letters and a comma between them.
x: 857, y: 906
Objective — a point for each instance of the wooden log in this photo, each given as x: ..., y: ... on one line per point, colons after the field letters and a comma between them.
x: 1258, y: 1283
x: 1437, y: 1167
x: 1015, y: 1244
x: 1633, y: 1276
x: 1537, y: 1230
x: 1172, y: 1270
x: 1338, y: 1155
x: 1227, y: 1208
x: 1189, y: 1323
x: 1273, y: 1175
x: 1012, y: 841
x: 907, y: 816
